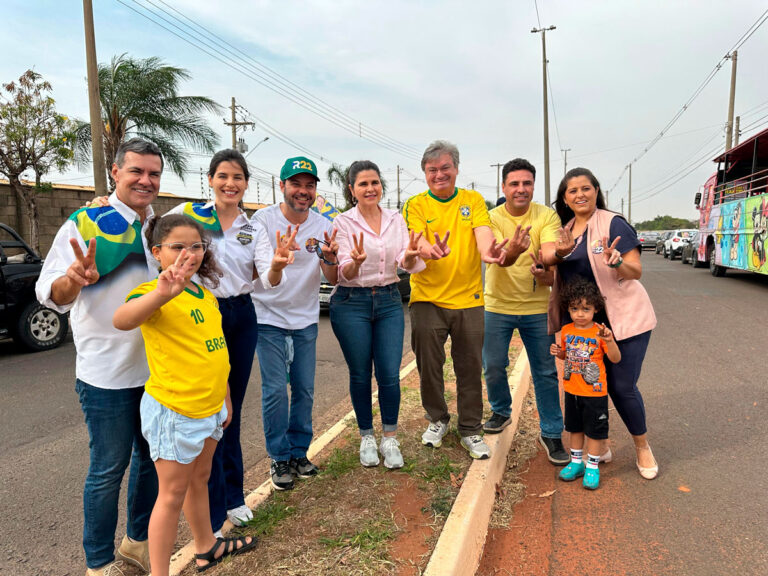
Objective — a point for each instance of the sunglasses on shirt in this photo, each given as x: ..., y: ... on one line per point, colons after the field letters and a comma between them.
x: 314, y: 245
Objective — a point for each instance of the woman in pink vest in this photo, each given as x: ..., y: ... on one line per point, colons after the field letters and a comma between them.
x: 600, y: 246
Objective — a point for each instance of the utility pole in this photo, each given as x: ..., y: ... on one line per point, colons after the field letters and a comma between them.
x: 234, y: 123
x: 398, y: 186
x: 565, y: 160
x: 94, y: 104
x: 729, y: 124
x: 546, y: 108
x: 498, y: 179
x: 736, y: 131
x: 629, y: 200
x: 274, y: 200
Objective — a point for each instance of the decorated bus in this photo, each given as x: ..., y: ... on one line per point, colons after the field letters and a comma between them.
x: 733, y: 207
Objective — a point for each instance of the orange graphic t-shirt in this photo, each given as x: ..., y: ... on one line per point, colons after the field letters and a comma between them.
x: 584, y: 371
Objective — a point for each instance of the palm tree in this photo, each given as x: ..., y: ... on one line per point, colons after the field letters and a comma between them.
x: 139, y: 97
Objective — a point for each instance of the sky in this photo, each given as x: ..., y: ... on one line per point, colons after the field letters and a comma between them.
x: 407, y: 73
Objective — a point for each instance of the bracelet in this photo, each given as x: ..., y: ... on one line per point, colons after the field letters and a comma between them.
x: 564, y: 257
x: 619, y: 262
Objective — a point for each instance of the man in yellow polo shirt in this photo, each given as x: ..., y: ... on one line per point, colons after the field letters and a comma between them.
x: 516, y: 297
x: 447, y: 297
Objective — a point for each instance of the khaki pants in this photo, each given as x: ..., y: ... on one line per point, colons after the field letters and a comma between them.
x: 430, y: 328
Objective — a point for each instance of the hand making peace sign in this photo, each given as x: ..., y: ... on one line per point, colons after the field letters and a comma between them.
x: 565, y: 244
x: 83, y: 270
x: 604, y: 333
x: 331, y: 248
x: 172, y: 280
x: 611, y: 256
x: 357, y: 253
x: 520, y: 241
x: 440, y: 248
x: 284, y: 248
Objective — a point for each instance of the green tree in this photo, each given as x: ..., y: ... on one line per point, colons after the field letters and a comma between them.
x: 666, y: 223
x: 33, y: 136
x: 140, y: 97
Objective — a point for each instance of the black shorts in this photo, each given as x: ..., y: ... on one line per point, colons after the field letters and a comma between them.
x: 587, y: 414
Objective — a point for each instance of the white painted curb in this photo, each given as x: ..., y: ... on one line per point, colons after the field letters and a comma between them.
x: 460, y: 546
x: 186, y: 554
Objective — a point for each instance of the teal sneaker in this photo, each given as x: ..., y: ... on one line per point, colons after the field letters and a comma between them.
x: 572, y: 471
x: 591, y: 478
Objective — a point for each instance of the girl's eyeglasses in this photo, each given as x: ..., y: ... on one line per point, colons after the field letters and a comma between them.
x: 313, y: 245
x: 196, y: 248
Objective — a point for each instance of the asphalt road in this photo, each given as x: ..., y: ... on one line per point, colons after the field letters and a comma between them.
x: 44, y: 450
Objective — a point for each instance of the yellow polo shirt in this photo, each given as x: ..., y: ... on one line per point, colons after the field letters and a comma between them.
x: 453, y: 282
x: 511, y: 290
x: 186, y: 352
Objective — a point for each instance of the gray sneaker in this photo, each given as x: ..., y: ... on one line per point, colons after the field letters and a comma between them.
x: 369, y: 455
x: 390, y: 449
x: 302, y: 468
x: 433, y: 436
x: 280, y: 474
x: 496, y: 423
x: 476, y: 447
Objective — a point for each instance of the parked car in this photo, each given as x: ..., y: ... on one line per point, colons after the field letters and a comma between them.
x: 648, y: 239
x: 660, y: 242
x: 673, y: 245
x: 22, y: 317
x: 688, y: 255
x: 404, y: 285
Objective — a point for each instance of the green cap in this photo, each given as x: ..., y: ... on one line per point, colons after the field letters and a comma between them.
x: 298, y: 165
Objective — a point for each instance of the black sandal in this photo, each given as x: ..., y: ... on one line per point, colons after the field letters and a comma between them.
x: 230, y: 549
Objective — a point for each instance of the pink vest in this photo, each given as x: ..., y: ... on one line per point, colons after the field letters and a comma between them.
x: 627, y: 304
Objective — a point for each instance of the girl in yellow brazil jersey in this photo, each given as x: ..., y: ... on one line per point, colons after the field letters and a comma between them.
x: 186, y: 403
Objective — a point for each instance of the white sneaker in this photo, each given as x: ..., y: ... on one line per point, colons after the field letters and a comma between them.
x: 434, y: 435
x: 369, y: 456
x: 240, y: 516
x: 390, y: 449
x: 476, y: 446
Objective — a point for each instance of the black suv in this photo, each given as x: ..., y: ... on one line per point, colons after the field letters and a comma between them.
x: 22, y: 317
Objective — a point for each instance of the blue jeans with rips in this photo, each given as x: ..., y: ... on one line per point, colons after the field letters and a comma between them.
x: 113, y: 419
x: 533, y: 331
x: 369, y: 324
x: 287, y: 358
x: 225, y: 486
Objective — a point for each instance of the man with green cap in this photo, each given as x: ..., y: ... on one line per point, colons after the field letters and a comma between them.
x: 288, y: 321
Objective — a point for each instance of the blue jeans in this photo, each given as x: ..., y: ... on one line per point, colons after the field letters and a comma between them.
x: 533, y: 331
x: 225, y: 486
x: 114, y: 428
x: 369, y: 325
x: 287, y: 358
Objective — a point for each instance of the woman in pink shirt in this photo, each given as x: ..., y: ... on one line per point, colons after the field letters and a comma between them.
x: 366, y: 307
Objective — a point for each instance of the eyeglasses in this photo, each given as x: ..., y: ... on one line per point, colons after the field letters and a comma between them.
x: 314, y: 245
x: 197, y: 247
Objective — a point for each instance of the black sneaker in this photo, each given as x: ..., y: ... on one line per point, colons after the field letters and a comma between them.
x: 496, y: 423
x: 281, y: 476
x: 555, y: 451
x: 302, y: 467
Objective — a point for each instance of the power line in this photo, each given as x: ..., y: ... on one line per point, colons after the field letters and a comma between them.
x: 213, y: 45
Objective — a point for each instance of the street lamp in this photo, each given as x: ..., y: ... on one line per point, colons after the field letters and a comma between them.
x: 257, y: 145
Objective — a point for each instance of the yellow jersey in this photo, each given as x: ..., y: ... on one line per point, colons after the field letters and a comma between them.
x: 511, y: 290
x: 453, y: 282
x: 186, y: 352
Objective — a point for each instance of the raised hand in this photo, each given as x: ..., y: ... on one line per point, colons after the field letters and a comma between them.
x: 440, y: 248
x: 537, y: 268
x: 331, y: 247
x: 412, y: 250
x: 172, y: 281
x: 565, y: 243
x: 357, y: 253
x: 604, y: 333
x: 83, y: 270
x: 520, y: 241
x: 611, y: 256
x: 284, y: 249
x: 496, y: 252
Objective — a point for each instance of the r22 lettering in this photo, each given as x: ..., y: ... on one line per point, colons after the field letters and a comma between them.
x: 301, y: 165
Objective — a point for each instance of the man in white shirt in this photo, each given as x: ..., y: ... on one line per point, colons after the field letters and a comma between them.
x: 288, y: 321
x: 98, y: 256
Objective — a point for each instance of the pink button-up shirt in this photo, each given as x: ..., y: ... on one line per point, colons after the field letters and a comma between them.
x: 385, y: 251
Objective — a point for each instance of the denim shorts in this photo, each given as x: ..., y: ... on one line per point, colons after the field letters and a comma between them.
x: 173, y: 436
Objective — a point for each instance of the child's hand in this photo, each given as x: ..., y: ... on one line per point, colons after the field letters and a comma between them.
x: 604, y: 333
x: 173, y: 279
x: 555, y: 349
